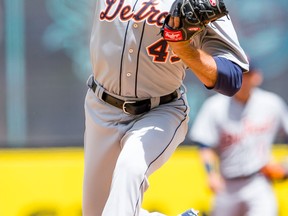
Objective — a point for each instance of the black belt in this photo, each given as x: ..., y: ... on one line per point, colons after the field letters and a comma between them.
x: 132, y: 107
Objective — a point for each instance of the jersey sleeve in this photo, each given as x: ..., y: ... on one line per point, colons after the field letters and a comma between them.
x: 220, y: 40
x: 204, y: 128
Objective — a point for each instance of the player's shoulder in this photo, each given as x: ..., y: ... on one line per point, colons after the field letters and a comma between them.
x: 223, y: 26
x: 268, y: 97
x: 217, y: 98
x: 216, y: 101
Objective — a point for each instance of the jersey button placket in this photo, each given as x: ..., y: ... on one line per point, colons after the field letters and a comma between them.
x: 130, y: 59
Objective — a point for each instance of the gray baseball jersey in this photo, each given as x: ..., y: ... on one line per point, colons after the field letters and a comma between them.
x: 241, y: 134
x: 132, y: 59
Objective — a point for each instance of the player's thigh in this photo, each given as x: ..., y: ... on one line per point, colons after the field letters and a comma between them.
x: 101, y: 150
x: 227, y: 205
x: 155, y: 136
x: 264, y: 202
x: 102, y: 136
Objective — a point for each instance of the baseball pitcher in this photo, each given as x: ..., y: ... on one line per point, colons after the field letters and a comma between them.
x: 136, y: 111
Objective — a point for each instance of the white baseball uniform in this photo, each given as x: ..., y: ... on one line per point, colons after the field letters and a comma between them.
x: 131, y: 62
x: 242, y: 136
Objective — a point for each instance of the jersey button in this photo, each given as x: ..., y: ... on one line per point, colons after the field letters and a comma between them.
x: 131, y: 50
x: 128, y: 74
x: 135, y: 25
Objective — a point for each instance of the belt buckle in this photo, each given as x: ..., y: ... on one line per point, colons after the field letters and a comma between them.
x: 124, y: 106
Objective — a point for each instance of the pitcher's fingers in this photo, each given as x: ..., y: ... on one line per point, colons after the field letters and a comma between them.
x: 177, y: 22
x: 171, y: 22
x: 174, y: 22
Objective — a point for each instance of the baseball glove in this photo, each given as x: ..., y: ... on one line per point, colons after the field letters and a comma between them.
x: 194, y: 16
x: 275, y: 171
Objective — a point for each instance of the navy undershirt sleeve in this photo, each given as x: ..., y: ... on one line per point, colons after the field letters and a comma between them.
x: 229, y: 78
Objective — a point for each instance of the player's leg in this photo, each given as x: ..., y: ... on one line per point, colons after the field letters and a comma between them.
x: 228, y: 202
x: 226, y: 206
x: 261, y: 198
x: 101, y: 150
x: 145, y: 147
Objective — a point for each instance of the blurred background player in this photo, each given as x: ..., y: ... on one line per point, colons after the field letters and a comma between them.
x: 236, y: 133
